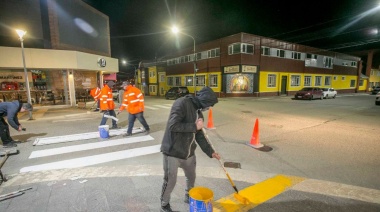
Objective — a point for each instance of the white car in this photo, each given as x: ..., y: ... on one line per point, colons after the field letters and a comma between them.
x: 377, y: 101
x: 329, y: 93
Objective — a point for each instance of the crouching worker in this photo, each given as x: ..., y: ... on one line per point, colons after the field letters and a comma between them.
x: 10, y: 110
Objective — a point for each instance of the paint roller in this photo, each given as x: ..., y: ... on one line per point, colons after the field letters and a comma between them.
x: 106, y: 114
x: 240, y: 198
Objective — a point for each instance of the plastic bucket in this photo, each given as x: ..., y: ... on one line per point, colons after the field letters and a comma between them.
x: 200, y: 199
x: 104, y: 131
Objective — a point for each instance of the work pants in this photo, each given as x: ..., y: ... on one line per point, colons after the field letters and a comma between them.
x: 171, y: 165
x: 131, y: 121
x: 4, y: 132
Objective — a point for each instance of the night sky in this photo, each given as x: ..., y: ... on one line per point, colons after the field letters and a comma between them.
x: 140, y: 29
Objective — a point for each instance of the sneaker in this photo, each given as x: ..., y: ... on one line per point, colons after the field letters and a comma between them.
x: 115, y: 127
x: 146, y: 132
x: 186, y: 200
x: 10, y: 145
x: 128, y: 134
x: 166, y: 208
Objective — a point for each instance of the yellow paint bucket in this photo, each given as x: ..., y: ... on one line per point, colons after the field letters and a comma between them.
x: 200, y: 199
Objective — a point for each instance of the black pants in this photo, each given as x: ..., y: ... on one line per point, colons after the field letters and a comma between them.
x: 4, y: 132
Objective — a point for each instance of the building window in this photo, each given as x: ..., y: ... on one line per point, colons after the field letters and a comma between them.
x: 352, y: 83
x: 271, y: 80
x: 237, y: 48
x: 296, y: 55
x: 162, y: 78
x: 200, y: 80
x: 307, y: 80
x: 343, y: 78
x: 152, y: 89
x: 213, y: 80
x: 327, y: 62
x: 170, y: 81
x: 213, y: 53
x: 353, y: 64
x: 177, y: 81
x: 335, y: 78
x: 295, y: 80
x: 327, y: 81
x: 189, y: 81
x: 311, y: 56
x: 265, y: 51
x: 280, y: 53
x: 361, y: 82
x: 151, y: 74
x: 318, y: 80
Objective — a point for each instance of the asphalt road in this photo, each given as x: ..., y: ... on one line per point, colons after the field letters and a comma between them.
x: 332, y: 139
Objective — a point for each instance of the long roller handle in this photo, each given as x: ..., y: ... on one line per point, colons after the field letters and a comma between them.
x: 220, y: 162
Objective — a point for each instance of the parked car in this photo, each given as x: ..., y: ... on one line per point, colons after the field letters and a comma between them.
x: 176, y: 92
x: 309, y: 93
x: 329, y: 93
x: 375, y: 90
x: 377, y: 100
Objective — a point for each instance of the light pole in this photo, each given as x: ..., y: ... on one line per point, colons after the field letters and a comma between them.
x: 21, y: 34
x: 175, y: 30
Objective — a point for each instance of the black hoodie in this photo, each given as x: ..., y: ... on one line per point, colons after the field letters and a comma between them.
x: 178, y: 140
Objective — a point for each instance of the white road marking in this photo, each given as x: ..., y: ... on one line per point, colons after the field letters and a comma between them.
x: 152, y: 108
x: 83, y: 147
x: 162, y: 106
x: 79, y: 119
x: 80, y: 136
x: 93, y: 160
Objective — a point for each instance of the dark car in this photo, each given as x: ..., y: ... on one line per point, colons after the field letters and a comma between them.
x: 309, y: 93
x: 375, y: 90
x: 176, y: 92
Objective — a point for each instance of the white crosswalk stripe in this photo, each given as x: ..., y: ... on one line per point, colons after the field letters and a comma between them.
x: 91, y: 153
x: 83, y: 147
x: 87, y: 149
x: 93, y: 160
x: 163, y: 106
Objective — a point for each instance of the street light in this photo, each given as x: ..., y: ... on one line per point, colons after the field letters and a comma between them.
x: 175, y: 30
x: 21, y: 34
x: 125, y: 63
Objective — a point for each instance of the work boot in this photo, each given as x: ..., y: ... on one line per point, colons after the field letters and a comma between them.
x: 186, y: 200
x: 146, y: 132
x: 127, y: 135
x: 166, y: 208
x: 9, y: 145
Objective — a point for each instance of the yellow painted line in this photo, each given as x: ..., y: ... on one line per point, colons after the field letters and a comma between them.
x: 257, y: 194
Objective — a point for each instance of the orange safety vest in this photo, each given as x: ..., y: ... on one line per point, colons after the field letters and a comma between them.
x: 95, y: 92
x: 133, y: 100
x: 106, y: 99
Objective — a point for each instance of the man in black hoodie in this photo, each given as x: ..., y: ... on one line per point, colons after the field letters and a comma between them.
x: 183, y: 131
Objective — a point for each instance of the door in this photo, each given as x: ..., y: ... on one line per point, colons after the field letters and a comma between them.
x: 284, y: 81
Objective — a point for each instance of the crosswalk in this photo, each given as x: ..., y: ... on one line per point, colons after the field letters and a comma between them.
x: 52, y: 157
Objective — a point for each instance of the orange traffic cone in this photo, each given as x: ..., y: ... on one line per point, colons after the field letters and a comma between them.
x: 255, y: 140
x: 210, y: 124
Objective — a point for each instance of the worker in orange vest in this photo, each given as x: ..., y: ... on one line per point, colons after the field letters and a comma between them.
x: 107, y: 105
x: 95, y: 93
x: 133, y: 102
